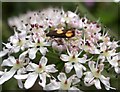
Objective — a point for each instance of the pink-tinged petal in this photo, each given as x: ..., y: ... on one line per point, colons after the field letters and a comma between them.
x: 68, y: 67
x: 101, y: 67
x: 9, y: 62
x: 53, y: 85
x: 32, y: 53
x: 78, y: 70
x: 16, y: 49
x: 82, y: 60
x: 103, y: 47
x: 96, y: 51
x: 20, y: 84
x: 64, y: 57
x: 21, y: 76
x: 97, y: 84
x: 74, y: 79
x: 62, y: 77
x: 31, y: 80
x: 51, y: 68
x: 42, y: 79
x: 7, y: 75
x: 43, y: 61
x: 43, y: 50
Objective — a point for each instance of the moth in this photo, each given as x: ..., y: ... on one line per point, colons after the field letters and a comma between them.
x: 68, y: 33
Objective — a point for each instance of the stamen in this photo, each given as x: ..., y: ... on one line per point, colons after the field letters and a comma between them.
x: 17, y: 61
x: 91, y: 80
x: 65, y: 82
x: 40, y: 66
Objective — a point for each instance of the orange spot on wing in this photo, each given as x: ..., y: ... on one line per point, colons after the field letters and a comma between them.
x: 69, y: 33
x: 59, y: 31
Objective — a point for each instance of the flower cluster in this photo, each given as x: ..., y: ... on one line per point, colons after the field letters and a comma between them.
x: 82, y: 48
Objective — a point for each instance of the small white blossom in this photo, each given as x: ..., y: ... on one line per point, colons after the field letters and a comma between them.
x: 115, y: 62
x: 63, y: 83
x: 94, y: 76
x: 42, y: 71
x: 16, y: 64
x: 38, y: 45
x: 73, y: 60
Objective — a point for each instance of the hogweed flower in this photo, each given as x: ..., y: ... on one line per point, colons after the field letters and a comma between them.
x: 68, y: 43
x: 94, y: 76
x: 63, y: 83
x: 40, y: 70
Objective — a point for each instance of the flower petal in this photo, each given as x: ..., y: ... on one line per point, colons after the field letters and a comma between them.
x: 43, y: 61
x: 30, y: 80
x: 62, y: 77
x: 105, y: 81
x: 31, y: 67
x: 51, y: 68
x: 78, y: 70
x: 32, y: 53
x: 64, y: 57
x: 82, y: 60
x: 43, y: 79
x: 87, y: 79
x: 21, y: 76
x: 20, y: 84
x: 22, y: 56
x: 9, y: 62
x: 52, y: 86
x: 73, y: 88
x: 43, y: 50
x: 91, y: 65
x: 75, y: 80
x: 7, y: 75
x: 68, y: 67
x: 117, y: 70
x: 113, y: 61
x: 97, y: 84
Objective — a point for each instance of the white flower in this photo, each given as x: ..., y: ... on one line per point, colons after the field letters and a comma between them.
x: 63, y: 83
x: 16, y: 64
x: 89, y: 46
x: 18, y: 40
x: 94, y: 76
x: 40, y: 70
x: 73, y: 60
x: 38, y: 45
x: 69, y: 17
x: 106, y: 52
x: 115, y: 62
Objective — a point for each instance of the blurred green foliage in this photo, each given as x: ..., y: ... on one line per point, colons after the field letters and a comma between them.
x: 108, y: 13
